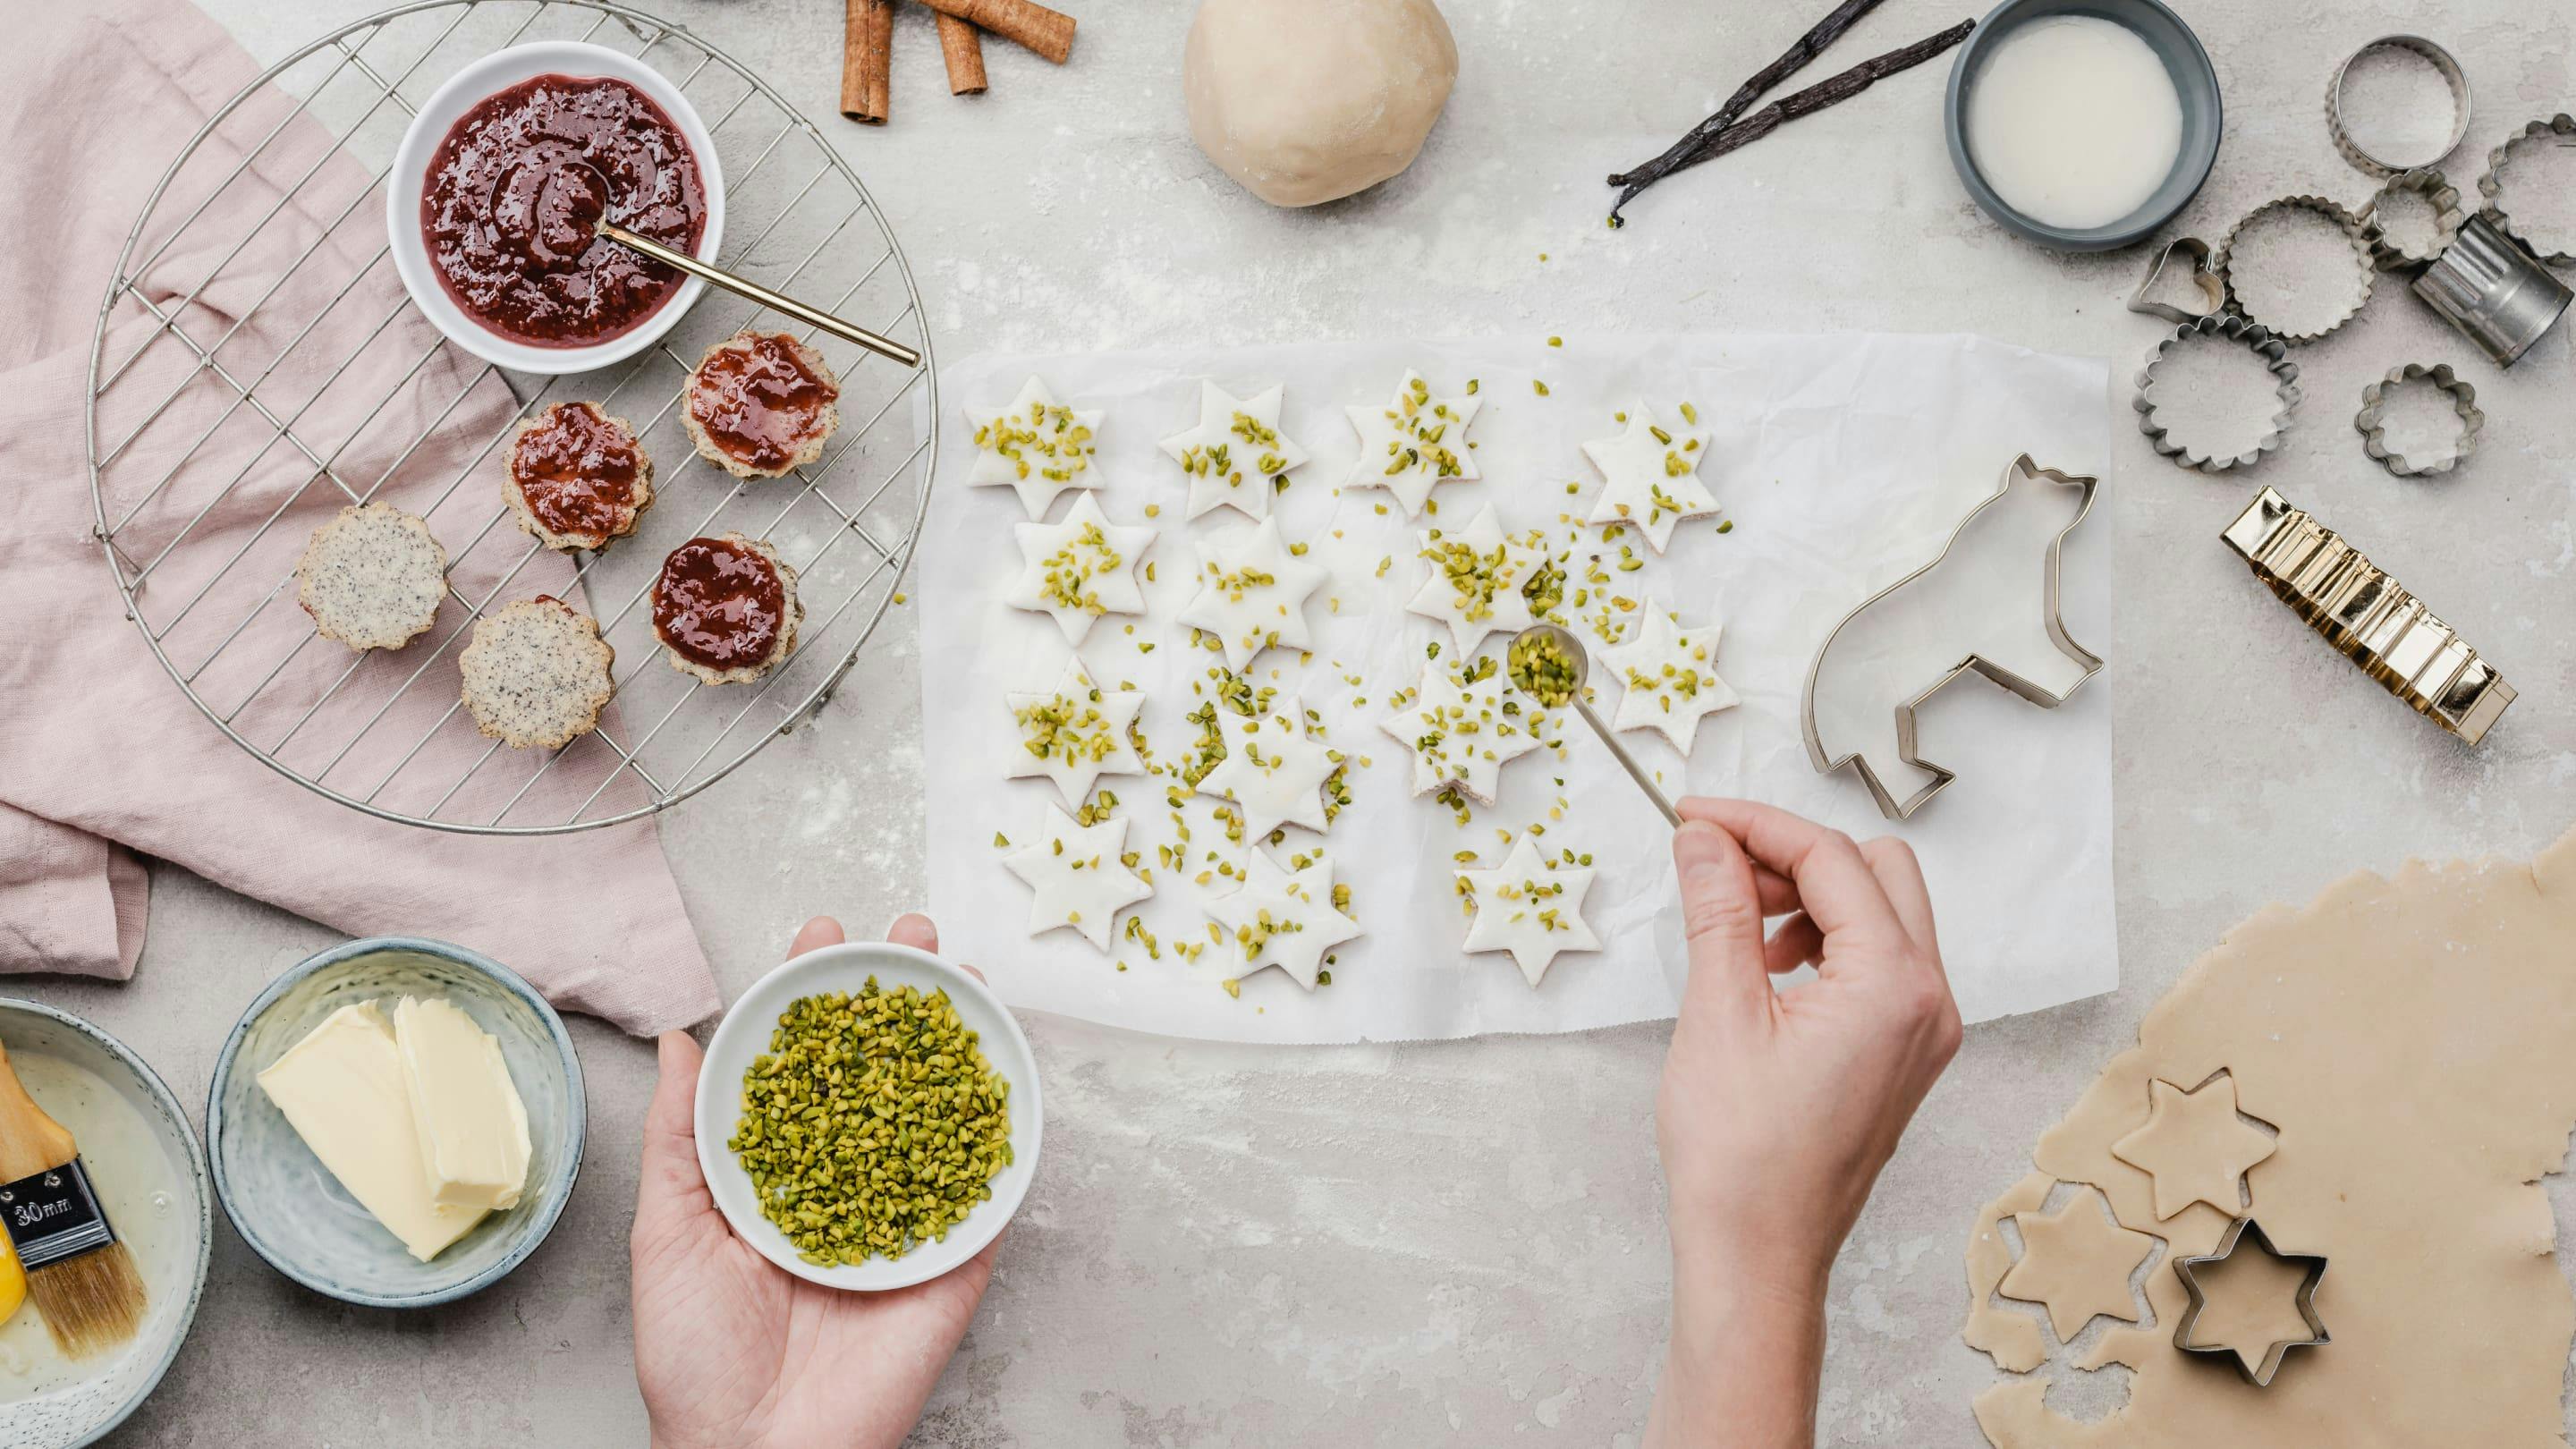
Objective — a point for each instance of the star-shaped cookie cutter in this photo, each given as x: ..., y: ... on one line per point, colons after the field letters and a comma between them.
x: 2306, y: 1300
x: 1888, y: 804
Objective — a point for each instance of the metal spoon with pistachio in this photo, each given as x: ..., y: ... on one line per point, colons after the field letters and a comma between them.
x: 1549, y: 661
x: 774, y: 301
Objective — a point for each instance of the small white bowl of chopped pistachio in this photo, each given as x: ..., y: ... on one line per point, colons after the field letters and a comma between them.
x: 868, y: 1116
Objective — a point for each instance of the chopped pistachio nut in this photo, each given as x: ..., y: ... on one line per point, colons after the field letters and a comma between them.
x: 1070, y: 569
x: 1541, y: 669
x: 1040, y: 438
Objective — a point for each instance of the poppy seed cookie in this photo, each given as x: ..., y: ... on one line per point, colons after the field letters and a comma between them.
x: 577, y: 477
x: 536, y: 674
x: 761, y: 404
x: 725, y: 608
x: 372, y: 577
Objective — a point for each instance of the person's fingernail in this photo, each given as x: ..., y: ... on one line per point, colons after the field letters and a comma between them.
x: 1699, y: 848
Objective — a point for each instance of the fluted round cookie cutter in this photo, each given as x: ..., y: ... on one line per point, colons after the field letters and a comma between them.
x: 2449, y: 215
x: 2231, y: 327
x: 2374, y: 432
x: 2443, y: 64
x: 2491, y: 185
x: 2365, y: 267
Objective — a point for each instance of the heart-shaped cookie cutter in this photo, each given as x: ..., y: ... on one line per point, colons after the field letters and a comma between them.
x: 2143, y: 301
x: 2365, y: 268
x: 2449, y: 215
x: 2491, y: 185
x: 2233, y: 328
x: 2370, y: 423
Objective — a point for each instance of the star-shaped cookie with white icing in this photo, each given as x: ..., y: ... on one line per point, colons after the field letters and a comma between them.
x: 1475, y: 580
x: 1273, y: 770
x: 1284, y: 919
x: 1074, y: 733
x: 1080, y: 874
x: 1670, y: 674
x: 1530, y: 908
x: 1235, y: 455
x: 1414, y: 443
x: 1037, y: 447
x: 1462, y: 731
x: 1252, y: 593
x: 1650, y: 476
x: 1080, y: 569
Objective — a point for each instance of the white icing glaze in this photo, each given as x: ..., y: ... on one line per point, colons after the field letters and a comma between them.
x: 1273, y: 771
x: 1462, y: 734
x: 1074, y: 575
x: 1086, y: 740
x: 1037, y: 447
x: 1252, y: 593
x: 1078, y: 876
x: 1637, y: 465
x: 1235, y: 452
x: 1473, y: 615
x: 1673, y: 702
x: 1277, y: 918
x: 1525, y: 907
x: 1413, y: 443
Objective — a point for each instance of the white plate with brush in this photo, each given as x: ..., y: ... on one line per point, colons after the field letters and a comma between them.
x: 150, y: 1177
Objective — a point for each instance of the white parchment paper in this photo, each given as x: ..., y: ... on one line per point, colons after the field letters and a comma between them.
x: 1843, y: 462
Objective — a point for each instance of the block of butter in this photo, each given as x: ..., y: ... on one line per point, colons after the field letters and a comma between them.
x: 416, y: 1117
x: 472, y: 1126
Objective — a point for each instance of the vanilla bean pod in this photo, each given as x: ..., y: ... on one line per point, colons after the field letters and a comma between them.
x: 1809, y: 46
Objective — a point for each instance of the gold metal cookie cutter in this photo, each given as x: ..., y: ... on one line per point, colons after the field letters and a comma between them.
x: 2200, y: 276
x: 1888, y: 804
x: 2185, y: 1326
x: 2231, y: 328
x: 2369, y: 617
x: 2365, y: 268
x: 2371, y: 424
x: 2444, y: 65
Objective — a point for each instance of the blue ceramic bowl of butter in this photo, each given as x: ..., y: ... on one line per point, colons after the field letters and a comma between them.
x: 2195, y: 83
x: 290, y: 1209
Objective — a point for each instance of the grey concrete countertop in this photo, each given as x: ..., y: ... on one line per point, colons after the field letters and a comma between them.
x: 1463, y: 1242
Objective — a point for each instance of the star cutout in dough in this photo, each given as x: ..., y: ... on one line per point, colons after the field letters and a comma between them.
x: 1475, y: 581
x: 2077, y: 1263
x: 1525, y: 907
x: 1282, y: 919
x: 1080, y: 874
x: 1670, y: 674
x: 1650, y: 478
x: 2195, y: 1146
x: 1462, y: 734
x: 1236, y: 454
x: 1252, y: 593
x: 1079, y: 569
x: 1036, y: 446
x: 1413, y: 443
x: 1074, y: 733
x: 1273, y: 771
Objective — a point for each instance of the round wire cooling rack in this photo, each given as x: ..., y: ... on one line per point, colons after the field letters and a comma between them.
x: 257, y: 366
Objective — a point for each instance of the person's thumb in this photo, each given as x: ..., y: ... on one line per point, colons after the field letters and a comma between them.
x: 1722, y: 921
x: 670, y: 1187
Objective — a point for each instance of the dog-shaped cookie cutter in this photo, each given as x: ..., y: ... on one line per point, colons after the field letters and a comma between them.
x: 1888, y: 804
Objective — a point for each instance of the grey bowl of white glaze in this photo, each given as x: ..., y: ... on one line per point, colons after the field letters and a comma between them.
x: 169, y: 1229
x: 2195, y: 82
x: 290, y: 1209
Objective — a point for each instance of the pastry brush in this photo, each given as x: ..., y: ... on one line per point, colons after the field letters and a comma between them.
x: 83, y: 1281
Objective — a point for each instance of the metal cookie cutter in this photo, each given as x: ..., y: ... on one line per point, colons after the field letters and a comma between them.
x: 2448, y: 217
x: 1888, y: 804
x: 2276, y: 357
x: 2442, y: 63
x: 2374, y: 433
x: 2365, y: 270
x: 2489, y: 288
x: 2491, y: 185
x: 2201, y: 276
x: 2188, y: 1269
x: 2369, y: 617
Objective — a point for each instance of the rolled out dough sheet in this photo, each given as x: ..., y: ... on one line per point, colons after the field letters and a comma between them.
x: 2410, y: 1039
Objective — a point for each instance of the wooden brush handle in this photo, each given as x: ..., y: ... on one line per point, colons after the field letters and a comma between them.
x: 30, y: 1141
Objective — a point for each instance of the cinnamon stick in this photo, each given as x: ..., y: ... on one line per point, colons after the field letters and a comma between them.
x: 1790, y: 107
x: 1810, y: 45
x: 867, y: 60
x: 962, y: 46
x: 1024, y: 22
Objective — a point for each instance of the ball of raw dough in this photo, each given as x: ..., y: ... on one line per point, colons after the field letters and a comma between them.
x: 1307, y: 100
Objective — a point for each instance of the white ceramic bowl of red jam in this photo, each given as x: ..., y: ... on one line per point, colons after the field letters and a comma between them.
x: 508, y: 163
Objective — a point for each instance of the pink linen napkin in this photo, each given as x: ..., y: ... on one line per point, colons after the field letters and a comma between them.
x: 100, y: 753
